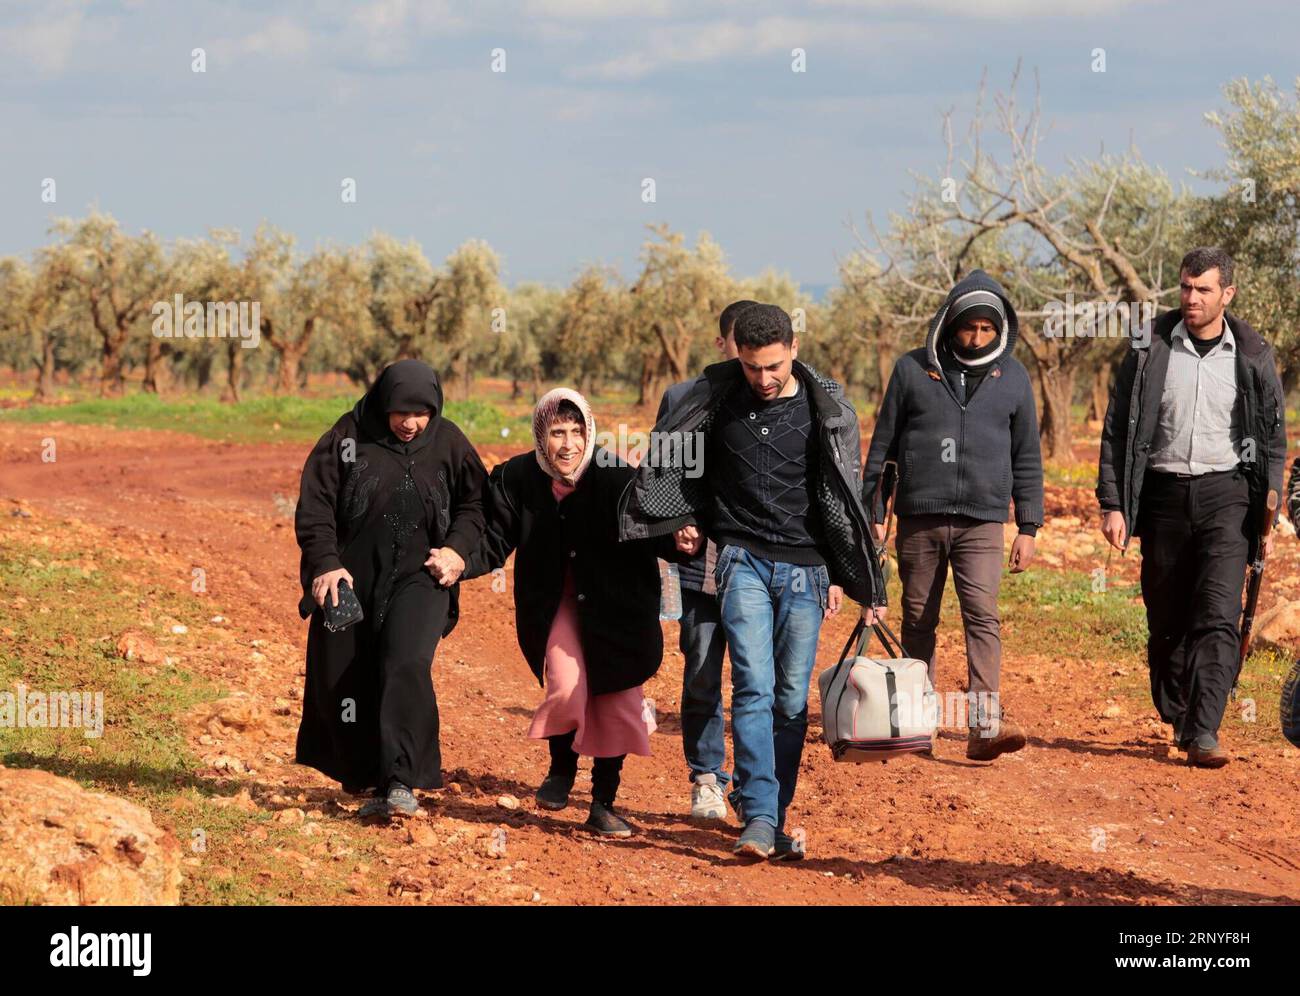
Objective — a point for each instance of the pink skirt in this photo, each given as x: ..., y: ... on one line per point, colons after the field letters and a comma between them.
x: 607, y: 725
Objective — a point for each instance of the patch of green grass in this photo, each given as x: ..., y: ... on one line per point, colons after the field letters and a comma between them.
x: 1057, y: 613
x: 64, y: 612
x: 1254, y: 716
x: 259, y: 419
x: 1071, y: 475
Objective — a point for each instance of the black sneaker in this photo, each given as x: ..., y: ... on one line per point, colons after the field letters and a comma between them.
x: 786, y: 849
x: 553, y: 794
x: 401, y: 800
x: 604, y: 821
x: 374, y: 808
x: 733, y: 797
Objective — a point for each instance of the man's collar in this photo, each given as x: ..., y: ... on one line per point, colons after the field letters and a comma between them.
x: 1229, y: 342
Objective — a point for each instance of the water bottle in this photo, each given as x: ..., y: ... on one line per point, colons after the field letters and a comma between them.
x: 670, y: 591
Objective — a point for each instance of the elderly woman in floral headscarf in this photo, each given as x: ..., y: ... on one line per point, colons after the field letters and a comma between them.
x: 586, y: 605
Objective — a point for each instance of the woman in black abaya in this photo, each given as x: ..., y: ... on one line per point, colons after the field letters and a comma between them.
x: 391, y: 501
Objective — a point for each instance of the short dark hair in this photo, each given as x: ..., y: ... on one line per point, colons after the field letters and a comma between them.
x: 761, y: 325
x: 1204, y: 258
x: 727, y: 320
x: 567, y: 411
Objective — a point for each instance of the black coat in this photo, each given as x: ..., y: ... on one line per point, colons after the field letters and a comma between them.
x: 617, y: 583
x: 665, y: 496
x: 1134, y: 410
x: 349, y: 480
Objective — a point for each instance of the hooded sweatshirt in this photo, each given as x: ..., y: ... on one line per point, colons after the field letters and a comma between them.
x: 970, y: 455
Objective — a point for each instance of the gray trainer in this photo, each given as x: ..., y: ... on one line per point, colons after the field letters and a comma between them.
x: 401, y: 800
x: 376, y: 808
x: 757, y: 841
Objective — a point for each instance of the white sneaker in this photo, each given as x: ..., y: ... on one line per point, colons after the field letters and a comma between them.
x: 707, y: 800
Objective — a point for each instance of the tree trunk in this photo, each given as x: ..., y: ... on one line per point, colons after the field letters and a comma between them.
x: 203, y: 369
x: 1100, y: 393
x: 884, y: 370
x: 654, y: 378
x: 234, y: 370
x: 112, y: 378
x: 290, y: 359
x: 45, y: 369
x: 153, y: 365
x: 1058, y: 391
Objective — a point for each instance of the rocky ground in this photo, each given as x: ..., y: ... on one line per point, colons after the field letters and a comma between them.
x: 1097, y: 808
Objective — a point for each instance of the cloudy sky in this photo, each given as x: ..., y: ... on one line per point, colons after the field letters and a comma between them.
x: 546, y: 160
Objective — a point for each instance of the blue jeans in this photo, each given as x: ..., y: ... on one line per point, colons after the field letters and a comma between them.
x: 772, y: 616
x: 702, y: 643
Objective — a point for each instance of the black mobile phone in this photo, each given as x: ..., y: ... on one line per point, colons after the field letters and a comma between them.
x: 348, y: 611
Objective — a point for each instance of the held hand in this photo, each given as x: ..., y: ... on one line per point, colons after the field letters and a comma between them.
x: 873, y: 614
x: 446, y: 565
x: 328, y: 584
x: 878, y: 532
x: 834, y: 599
x: 1112, y: 527
x: 689, y: 540
x: 1022, y: 552
x: 1268, y: 545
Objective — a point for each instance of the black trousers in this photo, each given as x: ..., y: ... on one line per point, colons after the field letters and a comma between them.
x: 1195, y: 544
x: 606, y: 772
x: 369, y: 711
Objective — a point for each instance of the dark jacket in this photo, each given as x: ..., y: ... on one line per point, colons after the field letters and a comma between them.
x: 661, y: 499
x: 691, y: 570
x: 348, y: 481
x: 617, y: 583
x: 994, y: 455
x: 1134, y: 411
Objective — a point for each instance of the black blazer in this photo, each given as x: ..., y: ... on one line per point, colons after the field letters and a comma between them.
x: 617, y: 583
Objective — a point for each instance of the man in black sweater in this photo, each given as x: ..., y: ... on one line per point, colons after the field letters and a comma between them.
x: 958, y: 420
x: 781, y: 499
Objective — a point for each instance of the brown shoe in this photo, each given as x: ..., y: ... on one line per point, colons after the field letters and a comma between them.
x: 1207, y: 757
x: 1009, y: 737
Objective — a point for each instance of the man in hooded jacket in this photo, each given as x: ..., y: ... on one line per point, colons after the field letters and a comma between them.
x: 958, y: 422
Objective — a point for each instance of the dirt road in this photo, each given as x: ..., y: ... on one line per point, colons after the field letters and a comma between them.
x: 1094, y: 810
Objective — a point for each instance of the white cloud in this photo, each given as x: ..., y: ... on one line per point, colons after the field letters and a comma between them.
x: 599, y: 9
x: 388, y: 27
x: 46, y: 42
x: 990, y: 9
x: 715, y: 41
x: 279, y: 36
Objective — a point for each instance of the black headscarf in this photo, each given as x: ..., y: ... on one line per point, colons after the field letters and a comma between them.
x: 405, y: 386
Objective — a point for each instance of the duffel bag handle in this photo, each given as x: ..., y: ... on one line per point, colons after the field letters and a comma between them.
x: 893, y: 646
x: 861, y: 635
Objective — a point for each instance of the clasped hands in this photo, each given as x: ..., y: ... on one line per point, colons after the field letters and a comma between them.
x: 446, y: 565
